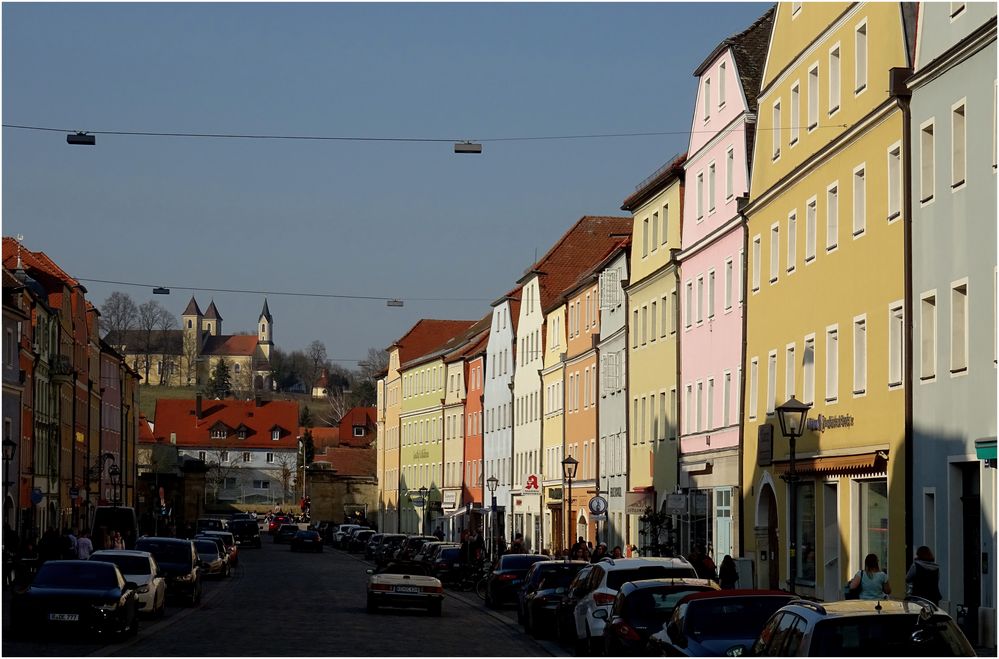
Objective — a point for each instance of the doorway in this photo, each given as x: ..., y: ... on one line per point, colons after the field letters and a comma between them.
x: 971, y: 539
x: 768, y: 538
x: 831, y: 543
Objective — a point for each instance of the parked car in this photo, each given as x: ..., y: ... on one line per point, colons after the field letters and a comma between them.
x: 398, y: 585
x: 427, y: 550
x: 87, y: 596
x: 606, y: 579
x: 507, y: 576
x: 373, y: 542
x: 229, y: 540
x: 912, y: 627
x: 341, y: 532
x: 543, y: 586
x: 359, y: 542
x: 140, y: 568
x: 212, y: 557
x: 407, y: 550
x: 212, y: 524
x: 178, y: 560
x: 246, y: 532
x: 306, y: 541
x: 443, y: 562
x: 565, y: 624
x: 276, y: 521
x: 390, y: 543
x: 285, y: 533
x: 642, y: 608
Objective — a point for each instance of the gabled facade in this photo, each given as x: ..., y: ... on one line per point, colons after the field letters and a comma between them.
x: 953, y: 374
x: 653, y: 348
x: 825, y: 297
x: 711, y: 273
x: 553, y: 427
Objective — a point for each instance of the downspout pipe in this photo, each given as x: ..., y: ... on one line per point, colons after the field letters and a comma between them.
x: 742, y: 374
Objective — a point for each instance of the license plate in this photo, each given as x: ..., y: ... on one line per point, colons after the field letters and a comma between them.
x: 407, y: 589
x: 64, y: 617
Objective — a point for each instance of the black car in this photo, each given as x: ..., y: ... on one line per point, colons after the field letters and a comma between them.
x: 306, y: 541
x: 541, y: 591
x: 641, y: 608
x: 373, y: 542
x: 179, y: 562
x: 427, y: 550
x: 407, y: 550
x: 508, y: 575
x: 384, y: 554
x: 285, y: 533
x: 246, y: 532
x: 565, y: 624
x: 359, y: 542
x: 444, y: 563
x: 89, y: 596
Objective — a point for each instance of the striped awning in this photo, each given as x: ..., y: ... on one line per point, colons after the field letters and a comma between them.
x: 875, y: 462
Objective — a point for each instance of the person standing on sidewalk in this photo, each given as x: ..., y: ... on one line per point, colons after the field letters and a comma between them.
x: 924, y: 576
x: 84, y: 547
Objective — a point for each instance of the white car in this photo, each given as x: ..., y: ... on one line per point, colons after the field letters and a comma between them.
x: 606, y: 578
x: 397, y: 585
x: 139, y: 567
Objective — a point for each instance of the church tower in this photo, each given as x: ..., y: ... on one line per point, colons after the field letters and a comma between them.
x: 213, y: 320
x: 265, y: 329
x: 191, y: 322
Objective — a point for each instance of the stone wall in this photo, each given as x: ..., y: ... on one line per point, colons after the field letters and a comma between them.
x: 330, y: 493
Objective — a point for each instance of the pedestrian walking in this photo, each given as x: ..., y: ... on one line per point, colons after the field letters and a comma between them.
x: 872, y: 582
x: 702, y: 563
x: 924, y: 576
x: 599, y: 553
x: 84, y: 546
x: 727, y: 574
x: 617, y: 552
x: 117, y: 542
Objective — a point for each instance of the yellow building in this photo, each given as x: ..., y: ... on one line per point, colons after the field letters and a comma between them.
x: 652, y: 362
x: 553, y: 425
x: 825, y: 297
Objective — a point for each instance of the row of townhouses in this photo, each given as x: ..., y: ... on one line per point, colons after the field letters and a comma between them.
x: 70, y: 402
x: 827, y: 238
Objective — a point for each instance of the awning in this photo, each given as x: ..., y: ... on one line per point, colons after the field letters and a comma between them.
x: 985, y: 448
x: 875, y: 462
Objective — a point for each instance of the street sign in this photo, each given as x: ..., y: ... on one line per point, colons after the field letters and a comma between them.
x: 676, y: 504
x: 74, y: 492
x: 598, y: 505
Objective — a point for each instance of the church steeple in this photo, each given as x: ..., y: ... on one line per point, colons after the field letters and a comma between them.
x: 213, y: 320
x: 265, y: 330
x: 191, y: 320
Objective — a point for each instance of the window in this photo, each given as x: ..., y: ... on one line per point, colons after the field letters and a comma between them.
x: 728, y: 284
x: 653, y: 317
x: 219, y: 433
x: 896, y: 338
x: 832, y: 217
x: 700, y: 300
x: 754, y: 395
x: 774, y: 252
x: 634, y: 328
x: 795, y: 9
x: 275, y: 434
x: 927, y: 173
x: 665, y: 320
x: 246, y: 456
x: 756, y: 263
x: 721, y: 85
x: 224, y: 456
x: 665, y: 223
x: 674, y: 418
x: 711, y: 188
x: 789, y: 365
x: 711, y: 405
x: 834, y: 85
x: 861, y: 56
x: 688, y: 406
x: 792, y: 239
x: 730, y: 173
x: 674, y: 311
x: 202, y: 456
x: 711, y: 294
x: 805, y: 494
x: 959, y: 328
x: 645, y: 324
x: 874, y: 519
x: 655, y: 230
x: 771, y: 382
x: 689, y: 304
x: 776, y: 131
x: 859, y: 201
x: 958, y: 145
x: 645, y: 237
x: 727, y: 400
x: 894, y: 182
x: 956, y: 9
x: 738, y: 274
x: 832, y: 364
x: 270, y: 458
x: 699, y: 411
x: 810, y: 221
x: 860, y: 355
x: 813, y: 98
x: 700, y: 195
x: 808, y: 370
x: 707, y: 99
x: 795, y: 118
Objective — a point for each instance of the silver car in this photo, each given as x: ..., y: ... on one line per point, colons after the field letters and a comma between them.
x: 139, y: 567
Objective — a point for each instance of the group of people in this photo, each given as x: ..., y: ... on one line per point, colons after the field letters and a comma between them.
x: 922, y: 579
x: 29, y: 555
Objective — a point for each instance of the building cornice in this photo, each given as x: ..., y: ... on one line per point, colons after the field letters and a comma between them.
x: 954, y: 56
x: 711, y: 238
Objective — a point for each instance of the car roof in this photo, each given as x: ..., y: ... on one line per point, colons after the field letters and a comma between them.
x: 738, y: 592
x: 156, y: 538
x: 610, y: 564
x: 644, y: 584
x: 848, y: 608
x: 122, y: 552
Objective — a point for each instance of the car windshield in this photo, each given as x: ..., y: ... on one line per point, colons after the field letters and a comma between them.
x: 127, y: 564
x: 901, y: 635
x: 206, y: 547
x: 448, y: 554
x: 744, y: 616
x: 556, y: 576
x: 166, y: 552
x: 520, y: 561
x: 617, y: 578
x: 76, y: 575
x: 658, y: 602
x: 288, y: 528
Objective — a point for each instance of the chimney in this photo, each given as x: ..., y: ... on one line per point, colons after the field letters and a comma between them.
x: 197, y: 407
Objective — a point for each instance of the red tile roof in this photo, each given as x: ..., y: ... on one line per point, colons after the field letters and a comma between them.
x: 37, y: 261
x: 322, y: 437
x: 177, y: 416
x: 145, y: 430
x: 238, y: 345
x: 427, y: 335
x: 350, y: 461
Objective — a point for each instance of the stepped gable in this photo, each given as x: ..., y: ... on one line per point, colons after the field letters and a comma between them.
x: 427, y: 335
x: 178, y: 416
x: 238, y: 345
x: 585, y: 244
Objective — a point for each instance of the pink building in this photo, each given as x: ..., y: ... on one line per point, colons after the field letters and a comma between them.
x: 711, y: 279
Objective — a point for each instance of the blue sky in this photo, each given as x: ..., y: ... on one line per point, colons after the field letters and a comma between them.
x: 355, y: 218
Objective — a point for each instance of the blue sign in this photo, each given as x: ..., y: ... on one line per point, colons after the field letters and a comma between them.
x: 37, y: 496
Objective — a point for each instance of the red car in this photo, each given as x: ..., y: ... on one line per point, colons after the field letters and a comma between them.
x: 276, y: 523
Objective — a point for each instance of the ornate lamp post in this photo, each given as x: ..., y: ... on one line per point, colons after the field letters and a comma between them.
x: 114, y: 471
x: 423, y: 497
x: 569, y: 466
x: 491, y: 484
x: 792, y: 415
x: 9, y: 446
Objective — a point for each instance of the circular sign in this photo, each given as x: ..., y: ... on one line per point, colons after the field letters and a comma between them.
x: 598, y: 505
x: 37, y: 496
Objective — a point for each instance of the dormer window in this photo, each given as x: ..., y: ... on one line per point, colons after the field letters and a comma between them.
x: 219, y: 433
x: 275, y: 434
x: 358, y: 431
x: 241, y: 433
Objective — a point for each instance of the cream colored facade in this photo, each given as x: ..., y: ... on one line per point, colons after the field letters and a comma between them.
x: 652, y: 368
x: 552, y: 427
x: 388, y: 443
x: 825, y: 298
x: 422, y: 440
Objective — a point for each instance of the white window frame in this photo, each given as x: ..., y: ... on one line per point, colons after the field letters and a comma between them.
x: 813, y: 97
x: 775, y: 152
x: 712, y: 188
x: 811, y: 228
x: 729, y: 173
x: 832, y: 364
x: 726, y: 398
x: 771, y: 382
x: 699, y: 196
x: 792, y: 240
x: 709, y: 423
x: 895, y: 187
x: 795, y: 113
x: 665, y: 223
x: 832, y: 217
x: 959, y: 363
x: 774, y: 252
x: 835, y: 77
x: 927, y: 170
x: 757, y: 254
x: 754, y: 391
x: 721, y: 85
x: 896, y: 344
x: 707, y: 99
x: 959, y: 152
x: 700, y: 299
x: 711, y: 293
x: 957, y: 10
x: 859, y: 200
x: 789, y: 370
x: 808, y: 373
x: 861, y: 51
x: 688, y: 292
x: 729, y: 283
x: 860, y: 356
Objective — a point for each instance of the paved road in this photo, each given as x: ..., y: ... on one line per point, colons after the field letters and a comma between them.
x: 280, y: 603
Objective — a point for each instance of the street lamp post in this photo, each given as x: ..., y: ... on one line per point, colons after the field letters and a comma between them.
x: 423, y: 497
x: 114, y: 471
x: 492, y: 483
x: 9, y: 446
x: 792, y: 415
x: 569, y: 466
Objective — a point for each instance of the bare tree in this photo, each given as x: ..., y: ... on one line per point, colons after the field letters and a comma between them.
x: 287, y: 469
x: 150, y: 318
x: 375, y: 363
x: 338, y: 403
x: 165, y: 322
x: 317, y: 360
x: 222, y: 464
x: 118, y: 315
x: 191, y: 350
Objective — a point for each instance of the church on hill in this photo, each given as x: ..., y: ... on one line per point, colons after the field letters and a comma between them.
x: 186, y: 357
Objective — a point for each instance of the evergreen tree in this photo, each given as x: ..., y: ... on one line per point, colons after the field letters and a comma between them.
x: 219, y: 384
x: 305, y: 418
x: 310, y: 446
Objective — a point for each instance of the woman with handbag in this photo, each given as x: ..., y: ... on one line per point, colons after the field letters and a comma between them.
x: 872, y: 582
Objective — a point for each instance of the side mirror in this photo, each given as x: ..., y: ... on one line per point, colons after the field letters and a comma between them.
x: 600, y: 614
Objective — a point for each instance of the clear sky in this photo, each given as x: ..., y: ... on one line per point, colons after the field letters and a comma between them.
x: 405, y: 220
